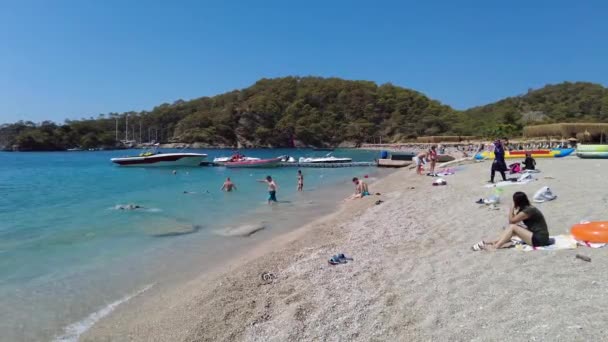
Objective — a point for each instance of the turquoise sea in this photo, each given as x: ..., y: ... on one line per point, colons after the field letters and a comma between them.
x: 67, y: 253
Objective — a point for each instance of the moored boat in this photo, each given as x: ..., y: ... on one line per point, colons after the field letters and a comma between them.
x: 261, y: 163
x: 592, y: 151
x: 223, y: 160
x: 152, y: 159
x: 543, y: 153
x: 325, y: 160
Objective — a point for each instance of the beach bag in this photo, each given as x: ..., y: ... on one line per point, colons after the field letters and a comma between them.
x: 544, y: 194
x: 515, y: 168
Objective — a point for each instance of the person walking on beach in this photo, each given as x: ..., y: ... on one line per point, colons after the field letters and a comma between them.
x: 535, y: 233
x: 228, y: 186
x: 420, y: 160
x: 272, y: 189
x: 499, y: 163
x: 300, y: 181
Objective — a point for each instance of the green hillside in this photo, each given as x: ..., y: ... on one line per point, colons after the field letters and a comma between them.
x: 313, y: 111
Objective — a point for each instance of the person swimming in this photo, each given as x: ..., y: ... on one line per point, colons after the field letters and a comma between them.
x: 272, y: 189
x: 228, y: 186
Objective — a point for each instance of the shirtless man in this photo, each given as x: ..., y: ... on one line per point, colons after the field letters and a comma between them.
x: 272, y: 189
x: 420, y: 160
x: 361, y: 189
x: 228, y: 186
x: 300, y: 181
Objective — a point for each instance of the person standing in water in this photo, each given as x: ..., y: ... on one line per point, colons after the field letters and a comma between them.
x: 228, y: 186
x: 272, y: 189
x: 300, y: 181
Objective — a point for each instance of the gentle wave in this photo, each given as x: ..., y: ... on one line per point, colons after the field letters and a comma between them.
x: 73, y: 331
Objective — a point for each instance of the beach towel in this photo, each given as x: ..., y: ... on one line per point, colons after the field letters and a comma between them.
x: 564, y: 241
x: 544, y: 194
x: 525, y: 178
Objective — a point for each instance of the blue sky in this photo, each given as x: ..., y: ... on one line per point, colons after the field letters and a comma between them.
x: 73, y: 59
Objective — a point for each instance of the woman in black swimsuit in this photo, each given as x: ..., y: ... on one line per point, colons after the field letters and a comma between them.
x: 535, y: 233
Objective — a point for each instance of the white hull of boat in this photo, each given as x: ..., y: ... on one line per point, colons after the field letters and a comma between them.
x: 162, y: 160
x: 327, y: 160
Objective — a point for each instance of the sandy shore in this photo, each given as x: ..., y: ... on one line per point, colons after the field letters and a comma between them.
x: 413, y: 277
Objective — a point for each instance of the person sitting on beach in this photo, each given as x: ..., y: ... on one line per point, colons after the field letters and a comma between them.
x: 300, y: 181
x: 361, y: 189
x: 535, y: 233
x: 529, y: 162
x: 228, y: 186
x: 420, y: 160
x: 272, y: 189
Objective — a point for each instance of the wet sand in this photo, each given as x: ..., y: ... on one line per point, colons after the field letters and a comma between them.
x: 413, y: 277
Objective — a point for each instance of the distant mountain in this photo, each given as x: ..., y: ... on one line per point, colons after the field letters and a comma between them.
x: 313, y: 111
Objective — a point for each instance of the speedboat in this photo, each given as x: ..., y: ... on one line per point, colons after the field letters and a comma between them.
x: 153, y: 158
x: 254, y: 163
x: 325, y: 160
x: 223, y: 160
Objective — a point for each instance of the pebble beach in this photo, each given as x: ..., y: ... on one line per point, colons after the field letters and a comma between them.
x: 413, y: 275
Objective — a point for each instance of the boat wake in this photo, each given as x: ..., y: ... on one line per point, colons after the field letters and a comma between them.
x: 73, y: 331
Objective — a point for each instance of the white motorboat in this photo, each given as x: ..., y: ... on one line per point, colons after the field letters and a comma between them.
x: 325, y: 160
x: 224, y: 160
x: 149, y: 159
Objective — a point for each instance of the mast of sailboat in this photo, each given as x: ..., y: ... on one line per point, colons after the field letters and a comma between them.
x: 116, y: 128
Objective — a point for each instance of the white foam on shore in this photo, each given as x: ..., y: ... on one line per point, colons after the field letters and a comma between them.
x: 73, y: 331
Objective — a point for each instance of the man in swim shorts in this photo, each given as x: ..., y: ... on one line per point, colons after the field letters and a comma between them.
x: 228, y: 186
x: 361, y: 189
x: 272, y: 189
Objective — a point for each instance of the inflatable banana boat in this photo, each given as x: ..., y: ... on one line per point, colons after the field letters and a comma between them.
x: 545, y: 153
x: 592, y: 151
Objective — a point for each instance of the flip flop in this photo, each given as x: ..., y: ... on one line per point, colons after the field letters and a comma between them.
x: 344, y: 257
x: 335, y: 260
x: 479, y: 201
x: 478, y: 246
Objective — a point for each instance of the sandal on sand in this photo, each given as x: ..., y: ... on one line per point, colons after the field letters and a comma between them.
x: 335, y: 260
x: 343, y: 257
x: 479, y: 201
x: 481, y: 245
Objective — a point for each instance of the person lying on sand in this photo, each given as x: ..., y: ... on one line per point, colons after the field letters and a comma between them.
x: 228, y: 186
x: 535, y: 233
x: 361, y: 189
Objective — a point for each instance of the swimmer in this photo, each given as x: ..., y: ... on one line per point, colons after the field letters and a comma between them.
x: 129, y: 206
x: 228, y: 186
x: 300, y: 181
x: 272, y: 189
x: 174, y: 172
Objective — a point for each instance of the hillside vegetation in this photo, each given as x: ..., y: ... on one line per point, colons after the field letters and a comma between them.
x: 312, y: 111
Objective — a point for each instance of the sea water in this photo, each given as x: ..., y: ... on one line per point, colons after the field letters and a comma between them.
x: 68, y: 253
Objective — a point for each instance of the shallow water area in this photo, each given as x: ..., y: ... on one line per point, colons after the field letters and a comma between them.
x: 68, y: 250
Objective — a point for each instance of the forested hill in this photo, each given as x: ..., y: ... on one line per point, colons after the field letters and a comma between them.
x: 312, y: 111
x: 564, y: 102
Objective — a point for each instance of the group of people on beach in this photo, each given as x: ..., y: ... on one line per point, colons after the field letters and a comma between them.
x: 500, y: 165
x: 424, y: 157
